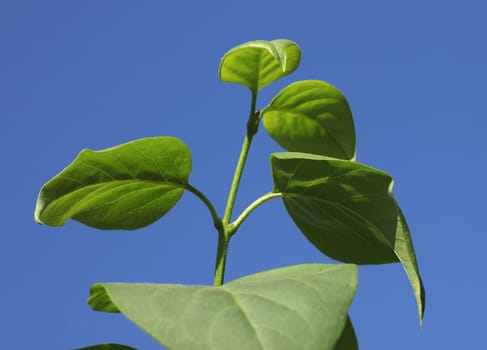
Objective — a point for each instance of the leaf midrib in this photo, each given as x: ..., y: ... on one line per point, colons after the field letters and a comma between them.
x: 99, y: 186
x: 331, y: 137
x: 341, y: 207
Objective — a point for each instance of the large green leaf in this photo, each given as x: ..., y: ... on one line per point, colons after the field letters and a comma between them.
x: 256, y: 64
x: 124, y: 187
x: 344, y: 208
x: 300, y: 307
x: 311, y: 117
x: 108, y: 347
x: 347, y: 210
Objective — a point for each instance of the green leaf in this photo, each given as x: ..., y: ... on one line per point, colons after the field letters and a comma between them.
x: 256, y: 64
x: 107, y: 347
x: 125, y: 187
x: 348, y: 339
x: 405, y: 251
x: 347, y: 210
x: 344, y: 208
x: 300, y: 307
x: 312, y: 117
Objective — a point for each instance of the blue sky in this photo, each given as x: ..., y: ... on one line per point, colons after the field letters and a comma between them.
x: 93, y: 74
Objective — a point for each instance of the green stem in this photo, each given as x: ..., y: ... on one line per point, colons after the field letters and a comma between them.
x: 236, y: 180
x: 224, y: 233
x: 233, y: 227
x: 216, y: 219
x: 221, y: 258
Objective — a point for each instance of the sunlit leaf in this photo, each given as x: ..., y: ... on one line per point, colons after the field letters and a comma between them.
x: 344, y: 208
x: 256, y: 64
x: 311, y: 117
x: 299, y: 307
x: 124, y: 187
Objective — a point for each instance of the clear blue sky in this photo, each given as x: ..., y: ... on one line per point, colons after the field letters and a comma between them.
x: 93, y: 74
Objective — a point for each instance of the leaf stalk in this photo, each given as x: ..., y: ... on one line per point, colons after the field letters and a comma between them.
x: 233, y: 227
x: 217, y: 222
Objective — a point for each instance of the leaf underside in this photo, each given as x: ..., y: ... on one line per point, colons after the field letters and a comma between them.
x: 299, y: 307
x: 125, y: 187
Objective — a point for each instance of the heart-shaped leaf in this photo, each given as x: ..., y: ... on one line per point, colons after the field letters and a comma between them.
x: 256, y: 64
x: 300, y: 307
x: 311, y: 117
x: 346, y: 210
x: 124, y: 187
x: 107, y: 347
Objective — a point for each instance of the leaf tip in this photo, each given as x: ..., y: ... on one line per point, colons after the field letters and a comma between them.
x: 99, y: 300
x: 423, y: 304
x: 38, y: 210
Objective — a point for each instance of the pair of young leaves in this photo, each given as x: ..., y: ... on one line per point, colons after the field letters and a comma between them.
x: 346, y: 209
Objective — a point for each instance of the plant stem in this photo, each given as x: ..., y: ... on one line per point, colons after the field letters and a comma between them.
x: 216, y: 219
x: 236, y: 180
x: 233, y: 227
x: 221, y: 258
x: 224, y: 233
